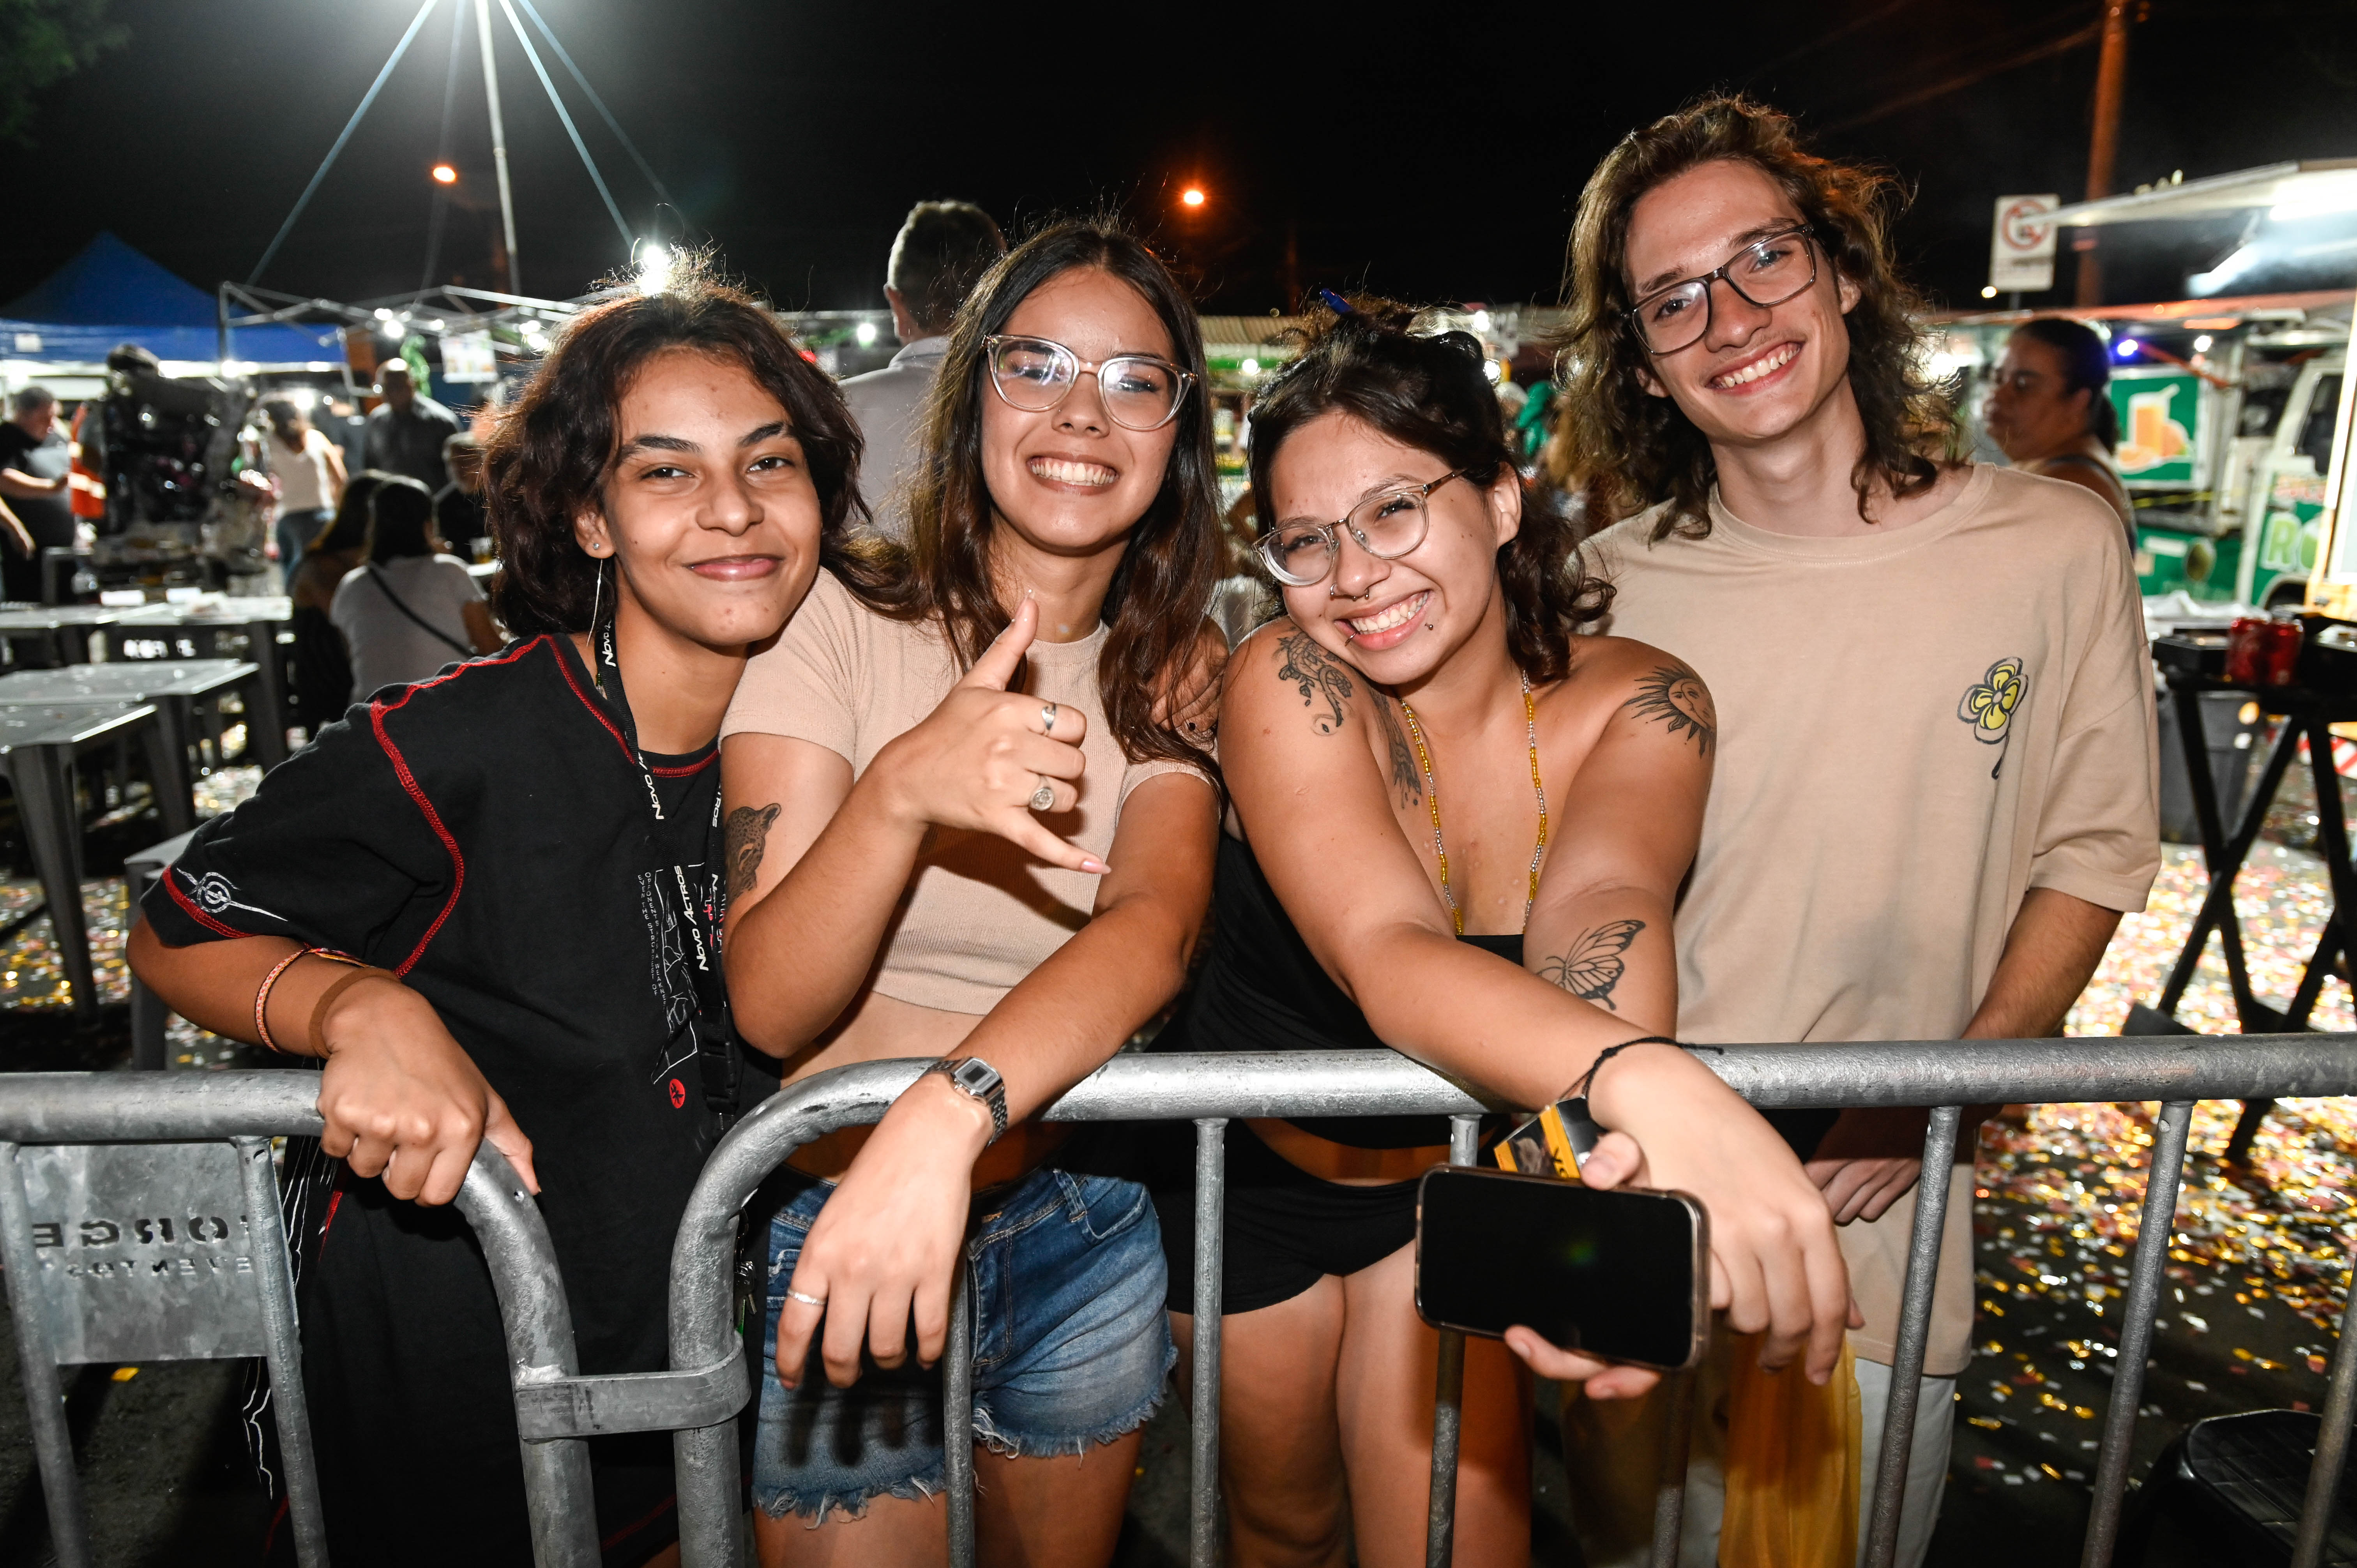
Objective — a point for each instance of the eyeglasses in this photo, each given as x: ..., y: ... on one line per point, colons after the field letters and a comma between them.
x: 1300, y: 553
x: 1035, y: 374
x: 1764, y: 273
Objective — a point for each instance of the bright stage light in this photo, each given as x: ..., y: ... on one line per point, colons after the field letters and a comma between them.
x: 1250, y: 367
x: 654, y: 267
x: 1481, y: 321
x: 864, y: 332
x: 2202, y: 344
x: 445, y: 175
x: 1191, y: 196
x: 1988, y: 291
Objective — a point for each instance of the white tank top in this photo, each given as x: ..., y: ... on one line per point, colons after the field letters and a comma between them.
x: 304, y: 480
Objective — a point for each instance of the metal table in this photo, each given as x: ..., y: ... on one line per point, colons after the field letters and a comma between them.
x: 2307, y: 716
x: 141, y: 872
x: 38, y: 746
x: 248, y: 628
x: 43, y: 637
x: 183, y: 690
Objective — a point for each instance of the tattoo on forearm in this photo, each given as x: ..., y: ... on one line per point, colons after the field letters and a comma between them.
x: 1593, y: 966
x: 1677, y: 695
x: 1404, y: 776
x: 1316, y: 675
x: 745, y: 835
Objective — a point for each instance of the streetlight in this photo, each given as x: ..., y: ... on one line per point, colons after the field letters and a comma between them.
x: 1191, y: 197
x: 445, y: 175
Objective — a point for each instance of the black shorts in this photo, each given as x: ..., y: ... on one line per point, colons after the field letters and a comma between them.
x: 1283, y: 1228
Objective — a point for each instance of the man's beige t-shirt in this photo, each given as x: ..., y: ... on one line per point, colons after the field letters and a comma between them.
x: 980, y: 913
x: 1914, y: 729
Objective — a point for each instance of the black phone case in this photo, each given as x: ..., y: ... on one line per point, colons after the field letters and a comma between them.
x: 1700, y: 1315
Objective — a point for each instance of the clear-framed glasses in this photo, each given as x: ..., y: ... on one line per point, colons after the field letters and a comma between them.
x: 1764, y: 273
x: 1299, y: 552
x: 1035, y: 374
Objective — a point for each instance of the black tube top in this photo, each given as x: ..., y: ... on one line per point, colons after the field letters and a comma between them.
x: 1261, y: 990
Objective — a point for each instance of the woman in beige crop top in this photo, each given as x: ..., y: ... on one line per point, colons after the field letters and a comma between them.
x: 950, y: 840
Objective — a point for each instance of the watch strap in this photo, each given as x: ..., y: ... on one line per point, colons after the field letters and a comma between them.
x: 993, y: 1095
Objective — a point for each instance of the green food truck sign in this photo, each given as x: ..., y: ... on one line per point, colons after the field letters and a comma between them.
x: 2161, y: 428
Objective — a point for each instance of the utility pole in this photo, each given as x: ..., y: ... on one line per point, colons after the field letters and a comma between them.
x: 499, y: 144
x: 2103, y: 153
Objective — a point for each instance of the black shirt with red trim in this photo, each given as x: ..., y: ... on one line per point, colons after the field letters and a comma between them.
x: 487, y: 835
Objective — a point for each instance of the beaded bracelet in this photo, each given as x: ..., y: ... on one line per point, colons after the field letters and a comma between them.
x: 261, y: 997
x: 270, y: 982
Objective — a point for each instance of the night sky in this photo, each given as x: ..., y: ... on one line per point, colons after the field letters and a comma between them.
x: 1434, y: 153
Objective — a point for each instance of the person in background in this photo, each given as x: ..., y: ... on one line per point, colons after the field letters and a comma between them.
x: 410, y: 609
x: 941, y: 250
x: 405, y: 432
x: 323, y: 665
x: 1936, y: 786
x: 311, y: 472
x: 458, y: 505
x: 348, y: 428
x: 2049, y: 409
x: 35, y: 460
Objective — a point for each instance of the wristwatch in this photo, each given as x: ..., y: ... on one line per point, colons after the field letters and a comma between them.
x: 978, y: 1079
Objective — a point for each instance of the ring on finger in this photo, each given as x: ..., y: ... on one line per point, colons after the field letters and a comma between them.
x: 1048, y: 716
x: 1043, y: 797
x: 806, y: 1300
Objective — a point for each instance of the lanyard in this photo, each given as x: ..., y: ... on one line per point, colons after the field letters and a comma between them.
x: 709, y: 1032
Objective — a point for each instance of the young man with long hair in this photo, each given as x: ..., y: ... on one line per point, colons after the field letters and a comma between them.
x: 1935, y: 790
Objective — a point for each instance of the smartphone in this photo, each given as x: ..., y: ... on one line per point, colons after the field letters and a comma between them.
x: 1620, y: 1275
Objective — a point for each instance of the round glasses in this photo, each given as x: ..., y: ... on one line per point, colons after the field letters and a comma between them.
x: 1764, y: 273
x: 1299, y: 552
x: 1035, y: 374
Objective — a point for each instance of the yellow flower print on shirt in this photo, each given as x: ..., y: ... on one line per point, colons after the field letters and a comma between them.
x: 1988, y: 707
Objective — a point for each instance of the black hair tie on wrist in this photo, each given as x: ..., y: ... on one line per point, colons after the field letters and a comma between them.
x: 1578, y: 1091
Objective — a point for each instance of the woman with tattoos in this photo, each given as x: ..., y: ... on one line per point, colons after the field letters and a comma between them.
x: 1463, y: 828
x: 979, y: 829
x: 491, y: 901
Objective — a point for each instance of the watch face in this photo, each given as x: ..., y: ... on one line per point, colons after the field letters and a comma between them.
x: 975, y: 1076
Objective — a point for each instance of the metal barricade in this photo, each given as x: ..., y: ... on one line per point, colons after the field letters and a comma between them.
x: 1944, y: 1075
x: 109, y: 1164
x: 699, y: 1399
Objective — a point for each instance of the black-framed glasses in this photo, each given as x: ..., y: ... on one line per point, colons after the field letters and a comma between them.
x: 1035, y: 374
x: 1766, y: 271
x: 1299, y: 552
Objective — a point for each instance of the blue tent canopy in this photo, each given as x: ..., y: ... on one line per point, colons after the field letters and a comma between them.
x: 111, y: 294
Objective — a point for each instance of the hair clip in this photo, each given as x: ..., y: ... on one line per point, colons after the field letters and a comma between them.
x: 1336, y: 304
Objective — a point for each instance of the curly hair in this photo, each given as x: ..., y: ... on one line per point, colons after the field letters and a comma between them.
x: 1634, y: 450
x: 551, y: 454
x: 1161, y: 592
x: 1428, y: 391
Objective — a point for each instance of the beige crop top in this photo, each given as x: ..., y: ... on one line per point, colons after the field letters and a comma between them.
x: 979, y: 914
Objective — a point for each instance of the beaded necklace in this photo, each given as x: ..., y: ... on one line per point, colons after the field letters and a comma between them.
x: 1432, y: 795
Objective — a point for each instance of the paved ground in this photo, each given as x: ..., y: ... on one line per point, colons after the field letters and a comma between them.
x: 2256, y: 1284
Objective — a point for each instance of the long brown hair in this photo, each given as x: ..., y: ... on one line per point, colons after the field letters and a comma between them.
x: 1429, y: 392
x: 1161, y: 593
x: 551, y: 454
x: 1635, y: 450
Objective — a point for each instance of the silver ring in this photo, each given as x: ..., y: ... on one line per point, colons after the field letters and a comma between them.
x: 806, y: 1300
x: 1048, y: 716
x: 1043, y: 797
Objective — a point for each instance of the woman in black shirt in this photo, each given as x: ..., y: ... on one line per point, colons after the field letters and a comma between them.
x: 524, y: 852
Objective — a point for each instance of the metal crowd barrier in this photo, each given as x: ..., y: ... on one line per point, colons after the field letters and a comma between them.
x: 700, y: 1398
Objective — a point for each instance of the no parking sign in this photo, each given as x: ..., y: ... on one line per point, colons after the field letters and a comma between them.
x: 2021, y: 251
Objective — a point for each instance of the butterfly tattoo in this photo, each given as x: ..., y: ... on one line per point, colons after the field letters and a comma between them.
x: 1593, y: 966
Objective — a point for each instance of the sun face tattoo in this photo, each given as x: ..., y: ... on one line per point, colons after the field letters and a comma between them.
x: 1675, y: 695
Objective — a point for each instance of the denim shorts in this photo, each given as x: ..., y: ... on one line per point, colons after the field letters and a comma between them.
x: 1072, y: 1349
